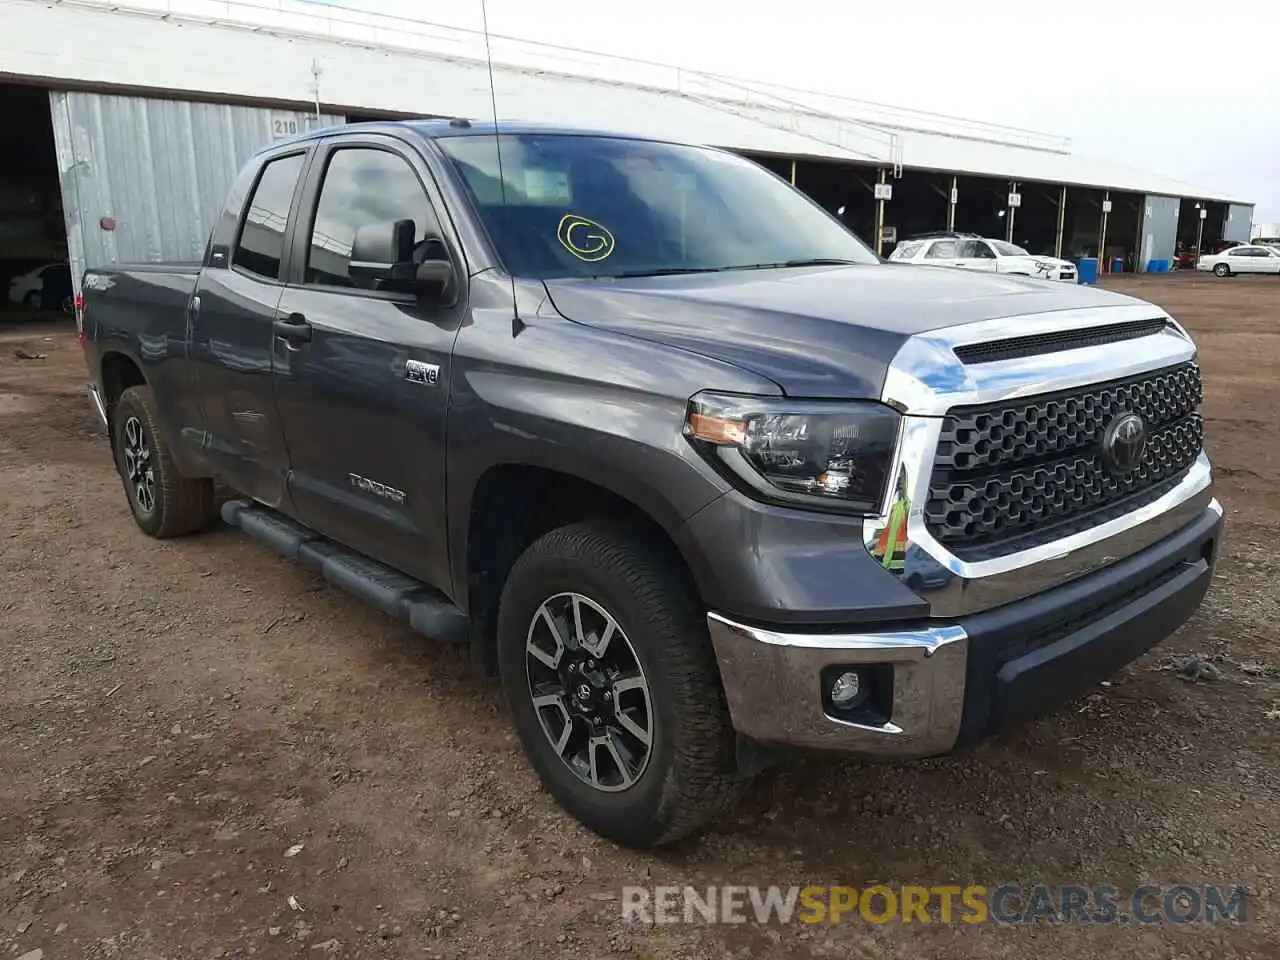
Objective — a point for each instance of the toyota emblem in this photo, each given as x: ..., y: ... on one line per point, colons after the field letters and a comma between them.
x: 1124, y: 442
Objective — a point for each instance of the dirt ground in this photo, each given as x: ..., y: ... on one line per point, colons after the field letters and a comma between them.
x: 175, y: 716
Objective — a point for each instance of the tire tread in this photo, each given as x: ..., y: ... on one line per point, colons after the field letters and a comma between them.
x: 703, y: 779
x: 183, y: 504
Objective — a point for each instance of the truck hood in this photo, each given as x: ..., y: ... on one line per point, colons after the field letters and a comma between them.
x: 814, y: 331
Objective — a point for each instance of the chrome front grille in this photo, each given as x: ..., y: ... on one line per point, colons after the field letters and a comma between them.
x: 1008, y: 475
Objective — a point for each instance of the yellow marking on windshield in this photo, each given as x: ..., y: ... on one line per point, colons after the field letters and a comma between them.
x: 585, y: 239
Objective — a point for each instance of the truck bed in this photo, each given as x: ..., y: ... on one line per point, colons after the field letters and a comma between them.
x: 149, y: 299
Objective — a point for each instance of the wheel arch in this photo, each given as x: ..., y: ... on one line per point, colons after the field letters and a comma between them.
x: 514, y: 503
x: 117, y: 372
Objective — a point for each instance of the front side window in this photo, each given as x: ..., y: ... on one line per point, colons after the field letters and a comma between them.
x: 583, y: 206
x: 976, y: 250
x: 364, y: 186
x: 261, y: 244
x: 1009, y: 249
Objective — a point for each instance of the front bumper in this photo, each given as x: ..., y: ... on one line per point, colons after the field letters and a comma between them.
x: 944, y: 682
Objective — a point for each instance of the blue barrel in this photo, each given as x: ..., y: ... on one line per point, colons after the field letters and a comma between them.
x: 1087, y: 270
x: 1117, y: 264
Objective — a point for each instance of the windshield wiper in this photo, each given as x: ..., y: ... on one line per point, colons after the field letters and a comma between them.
x: 664, y: 272
x: 677, y: 271
x: 816, y: 262
x: 805, y: 262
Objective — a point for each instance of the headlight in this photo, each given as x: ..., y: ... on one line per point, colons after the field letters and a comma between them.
x: 821, y: 455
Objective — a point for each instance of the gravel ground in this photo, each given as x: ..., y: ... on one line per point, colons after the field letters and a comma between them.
x: 178, y: 718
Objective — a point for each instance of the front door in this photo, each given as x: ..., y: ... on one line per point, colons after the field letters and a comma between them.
x: 230, y: 319
x: 362, y: 386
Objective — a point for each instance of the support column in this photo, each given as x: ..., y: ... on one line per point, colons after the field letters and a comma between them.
x: 1201, y: 213
x: 880, y: 219
x: 1102, y: 239
x: 951, y: 205
x: 1062, y: 223
x: 793, y: 173
x: 1012, y: 212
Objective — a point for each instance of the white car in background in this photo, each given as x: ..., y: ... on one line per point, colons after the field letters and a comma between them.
x: 44, y: 288
x: 972, y: 252
x: 1248, y: 258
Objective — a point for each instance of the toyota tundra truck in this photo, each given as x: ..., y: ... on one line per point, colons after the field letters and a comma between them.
x: 664, y: 447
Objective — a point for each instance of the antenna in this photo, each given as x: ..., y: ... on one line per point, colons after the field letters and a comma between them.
x: 516, y: 324
x: 315, y: 86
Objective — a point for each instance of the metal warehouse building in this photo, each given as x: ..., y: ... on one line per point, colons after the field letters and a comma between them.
x: 124, y: 122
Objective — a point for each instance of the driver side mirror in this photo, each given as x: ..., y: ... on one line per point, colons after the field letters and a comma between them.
x: 436, y: 279
x: 380, y: 252
x: 383, y: 258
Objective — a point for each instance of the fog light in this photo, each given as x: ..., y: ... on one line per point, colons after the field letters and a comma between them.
x: 846, y: 689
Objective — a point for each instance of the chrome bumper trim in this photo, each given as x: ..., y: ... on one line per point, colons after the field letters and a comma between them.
x: 771, y: 683
x: 99, y: 407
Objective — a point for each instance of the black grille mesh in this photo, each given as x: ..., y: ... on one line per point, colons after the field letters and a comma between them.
x: 1003, y: 471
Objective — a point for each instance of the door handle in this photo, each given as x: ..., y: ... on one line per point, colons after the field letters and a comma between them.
x: 293, y: 328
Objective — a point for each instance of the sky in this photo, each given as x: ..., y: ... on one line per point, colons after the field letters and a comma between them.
x: 1170, y: 87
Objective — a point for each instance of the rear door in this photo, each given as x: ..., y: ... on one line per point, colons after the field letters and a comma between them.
x: 941, y: 253
x: 230, y: 320
x: 976, y: 255
x: 1241, y: 260
x: 363, y: 396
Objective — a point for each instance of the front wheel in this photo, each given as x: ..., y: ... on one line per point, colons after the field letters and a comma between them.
x: 163, y: 501
x: 613, y: 685
x: 1221, y: 270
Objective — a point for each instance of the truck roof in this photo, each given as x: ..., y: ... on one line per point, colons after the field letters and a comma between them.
x: 436, y: 128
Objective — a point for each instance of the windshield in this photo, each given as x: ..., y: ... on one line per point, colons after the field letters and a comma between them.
x: 1008, y: 249
x: 581, y: 206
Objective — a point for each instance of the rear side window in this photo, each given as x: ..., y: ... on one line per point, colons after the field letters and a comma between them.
x: 905, y: 251
x: 941, y: 249
x: 261, y: 245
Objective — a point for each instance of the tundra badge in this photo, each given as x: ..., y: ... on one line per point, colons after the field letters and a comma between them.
x: 415, y: 371
x: 376, y: 488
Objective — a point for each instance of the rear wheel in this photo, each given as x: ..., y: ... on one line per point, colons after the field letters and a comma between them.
x: 164, y: 503
x: 1221, y: 270
x: 613, y: 685
x: 33, y: 300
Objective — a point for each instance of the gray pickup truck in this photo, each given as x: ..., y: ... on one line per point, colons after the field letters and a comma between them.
x: 666, y: 447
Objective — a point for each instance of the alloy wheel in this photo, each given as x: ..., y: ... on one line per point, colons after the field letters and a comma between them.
x: 589, y: 692
x: 137, y: 464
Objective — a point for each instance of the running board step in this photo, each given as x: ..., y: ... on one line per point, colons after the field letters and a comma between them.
x: 390, y: 591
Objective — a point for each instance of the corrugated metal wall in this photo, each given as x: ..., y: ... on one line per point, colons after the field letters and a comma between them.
x: 159, y: 168
x: 1158, y: 237
x: 1239, y: 222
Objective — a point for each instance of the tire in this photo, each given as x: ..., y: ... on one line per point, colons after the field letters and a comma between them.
x: 689, y: 773
x: 168, y: 504
x: 67, y: 306
x: 1221, y: 270
x: 33, y: 301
